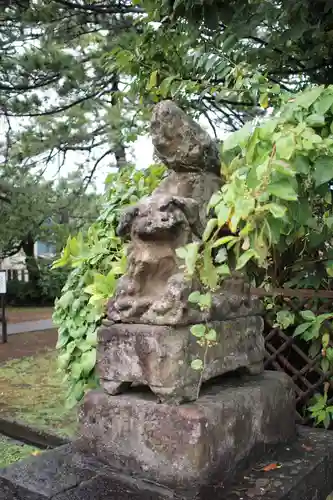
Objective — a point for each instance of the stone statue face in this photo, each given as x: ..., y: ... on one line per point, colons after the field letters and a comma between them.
x: 159, y: 218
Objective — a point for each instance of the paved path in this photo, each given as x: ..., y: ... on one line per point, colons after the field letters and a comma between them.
x: 29, y: 326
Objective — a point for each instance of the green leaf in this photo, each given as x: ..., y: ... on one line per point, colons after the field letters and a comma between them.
x: 278, y: 211
x: 320, y: 405
x: 205, y: 301
x: 222, y: 212
x: 312, y: 333
x: 308, y: 315
x: 88, y: 361
x: 63, y: 338
x: 78, y: 390
x: 223, y: 270
x: 323, y: 170
x: 211, y: 225
x: 198, y: 330
x: 282, y: 190
x: 323, y: 104
x: 302, y: 164
x: 194, y: 297
x: 66, y: 299
x: 329, y: 354
x: 325, y: 365
x: 238, y: 138
x: 229, y: 42
x: 197, y: 364
x: 301, y: 329
x: 307, y: 98
x: 181, y: 252
x: 224, y: 240
x: 285, y: 146
x: 211, y: 335
x: 315, y: 120
x: 285, y: 319
x: 165, y: 85
x: 263, y: 101
x: 244, y: 258
x: 152, y: 80
x: 191, y: 257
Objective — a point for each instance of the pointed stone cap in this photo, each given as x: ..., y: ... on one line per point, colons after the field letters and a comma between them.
x: 180, y: 143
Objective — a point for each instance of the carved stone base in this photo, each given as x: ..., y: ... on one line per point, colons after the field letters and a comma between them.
x: 186, y: 447
x: 160, y: 356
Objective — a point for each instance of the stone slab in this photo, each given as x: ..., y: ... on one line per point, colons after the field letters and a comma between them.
x: 44, y: 476
x: 184, y: 446
x: 63, y: 474
x: 160, y: 356
x: 305, y: 471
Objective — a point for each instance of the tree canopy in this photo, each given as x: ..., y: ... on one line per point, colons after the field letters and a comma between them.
x: 81, y: 76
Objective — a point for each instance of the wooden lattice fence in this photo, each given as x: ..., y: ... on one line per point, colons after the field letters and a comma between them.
x: 291, y: 354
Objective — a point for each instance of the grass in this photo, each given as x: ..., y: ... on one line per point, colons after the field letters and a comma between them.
x: 32, y: 392
x: 11, y: 451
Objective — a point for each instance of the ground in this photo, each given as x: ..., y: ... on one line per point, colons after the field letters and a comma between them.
x: 21, y: 314
x: 31, y: 388
x: 32, y: 391
x: 27, y: 344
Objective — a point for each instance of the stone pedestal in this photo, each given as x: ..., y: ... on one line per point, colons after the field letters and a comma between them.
x: 189, y: 446
x: 160, y: 356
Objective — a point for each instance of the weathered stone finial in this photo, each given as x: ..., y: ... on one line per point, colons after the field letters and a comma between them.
x: 181, y: 143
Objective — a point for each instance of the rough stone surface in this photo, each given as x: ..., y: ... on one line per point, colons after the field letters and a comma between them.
x: 180, y: 142
x: 184, y: 446
x: 160, y: 356
x: 64, y: 474
x: 26, y: 481
x: 305, y: 473
x: 154, y: 289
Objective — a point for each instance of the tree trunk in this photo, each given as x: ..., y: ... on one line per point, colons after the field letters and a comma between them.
x: 30, y: 260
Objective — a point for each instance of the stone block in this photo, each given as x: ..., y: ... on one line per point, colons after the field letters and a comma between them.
x: 44, y: 476
x: 184, y: 447
x: 64, y: 474
x: 160, y: 356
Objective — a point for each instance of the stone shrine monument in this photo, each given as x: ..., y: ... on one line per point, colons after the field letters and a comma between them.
x: 157, y: 429
x: 151, y: 416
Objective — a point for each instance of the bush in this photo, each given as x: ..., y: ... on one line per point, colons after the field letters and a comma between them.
x: 26, y: 294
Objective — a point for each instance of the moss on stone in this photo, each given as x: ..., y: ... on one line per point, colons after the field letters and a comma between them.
x: 12, y: 451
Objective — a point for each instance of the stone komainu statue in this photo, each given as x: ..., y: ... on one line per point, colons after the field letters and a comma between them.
x: 155, y: 289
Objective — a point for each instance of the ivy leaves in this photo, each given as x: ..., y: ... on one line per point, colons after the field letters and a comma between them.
x: 97, y: 259
x: 276, y: 204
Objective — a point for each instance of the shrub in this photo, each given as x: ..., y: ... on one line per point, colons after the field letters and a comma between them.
x: 26, y: 294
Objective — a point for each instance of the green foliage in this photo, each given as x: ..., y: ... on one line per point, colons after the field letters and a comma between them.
x: 36, y: 209
x: 26, y: 293
x: 97, y: 258
x: 277, y: 202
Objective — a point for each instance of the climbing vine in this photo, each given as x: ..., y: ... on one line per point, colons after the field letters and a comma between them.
x: 97, y: 259
x: 277, y: 203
